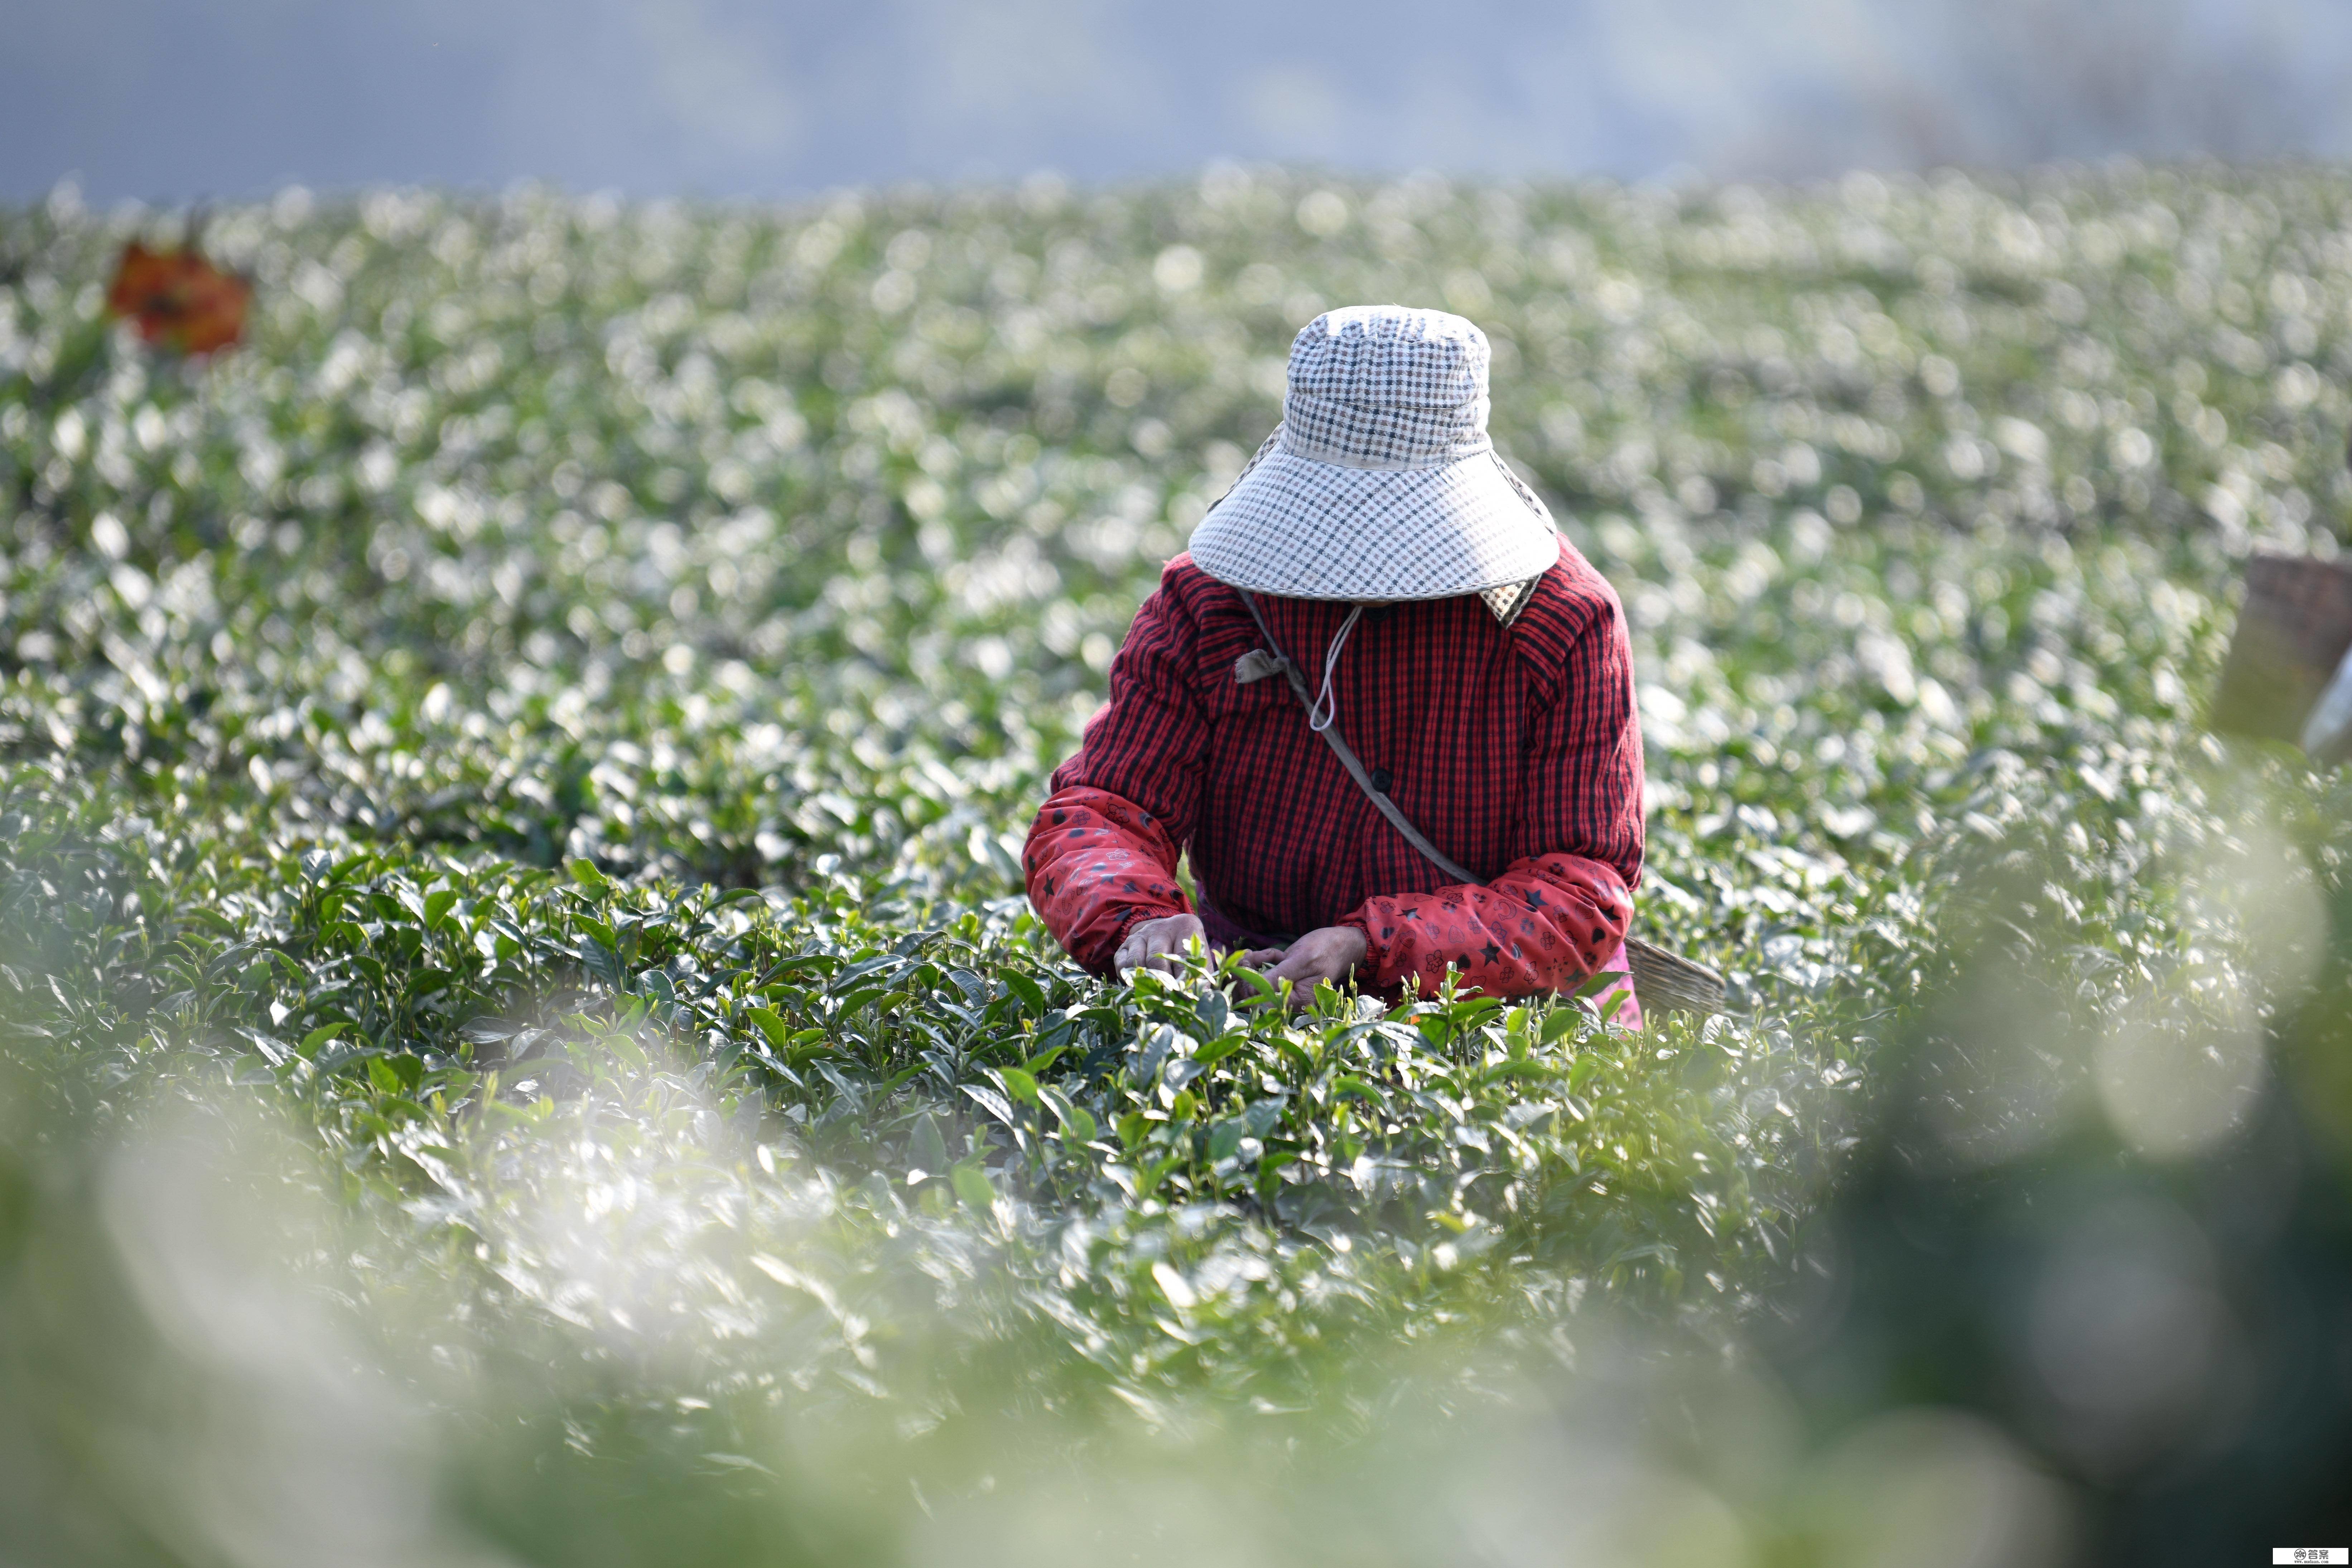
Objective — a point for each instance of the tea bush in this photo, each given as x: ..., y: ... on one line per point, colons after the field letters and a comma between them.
x: 510, y: 784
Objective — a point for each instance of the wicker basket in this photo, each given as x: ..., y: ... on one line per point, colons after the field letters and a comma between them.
x: 1669, y: 982
x: 2292, y: 630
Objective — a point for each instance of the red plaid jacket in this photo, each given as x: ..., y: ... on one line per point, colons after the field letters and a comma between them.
x: 1516, y: 750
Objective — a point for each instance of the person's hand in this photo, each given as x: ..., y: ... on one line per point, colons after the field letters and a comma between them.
x: 1151, y: 944
x: 1329, y: 954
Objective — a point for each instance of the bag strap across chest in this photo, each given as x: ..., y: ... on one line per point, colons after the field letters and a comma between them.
x: 1254, y: 665
x: 1664, y: 980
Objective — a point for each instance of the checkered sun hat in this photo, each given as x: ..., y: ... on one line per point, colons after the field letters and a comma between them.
x: 1380, y: 483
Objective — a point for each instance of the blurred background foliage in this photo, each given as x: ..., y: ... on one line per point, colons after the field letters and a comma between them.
x: 523, y: 1043
x: 189, y: 100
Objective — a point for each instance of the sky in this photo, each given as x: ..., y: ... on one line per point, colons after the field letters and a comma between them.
x: 180, y: 100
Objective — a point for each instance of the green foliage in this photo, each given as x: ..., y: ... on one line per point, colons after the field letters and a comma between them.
x: 545, y: 733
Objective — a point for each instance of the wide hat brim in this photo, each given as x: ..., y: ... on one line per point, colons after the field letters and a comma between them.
x: 1300, y: 529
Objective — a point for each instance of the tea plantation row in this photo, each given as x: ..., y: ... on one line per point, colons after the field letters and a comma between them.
x: 513, y: 986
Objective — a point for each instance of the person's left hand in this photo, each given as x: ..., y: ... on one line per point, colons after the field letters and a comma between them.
x: 1329, y: 953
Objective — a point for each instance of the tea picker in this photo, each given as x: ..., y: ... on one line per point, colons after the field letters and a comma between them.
x: 1446, y: 774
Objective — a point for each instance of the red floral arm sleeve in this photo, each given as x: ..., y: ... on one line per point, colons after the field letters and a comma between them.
x: 1545, y: 924
x: 1562, y: 905
x: 1096, y: 864
x: 1102, y: 853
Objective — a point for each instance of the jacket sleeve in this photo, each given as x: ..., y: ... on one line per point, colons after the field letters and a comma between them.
x: 1561, y: 907
x: 1102, y: 853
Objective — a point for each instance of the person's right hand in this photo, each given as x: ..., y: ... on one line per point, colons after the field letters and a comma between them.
x: 1151, y: 944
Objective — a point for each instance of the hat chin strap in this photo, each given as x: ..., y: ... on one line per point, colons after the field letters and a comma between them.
x: 1326, y: 707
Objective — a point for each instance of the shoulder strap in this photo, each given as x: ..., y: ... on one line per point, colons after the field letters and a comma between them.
x: 1347, y: 755
x: 1665, y: 980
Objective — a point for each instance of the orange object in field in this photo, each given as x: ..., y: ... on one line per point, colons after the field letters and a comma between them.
x: 178, y: 300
